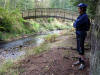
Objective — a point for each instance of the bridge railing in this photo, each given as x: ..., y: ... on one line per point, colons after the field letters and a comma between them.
x: 49, y: 12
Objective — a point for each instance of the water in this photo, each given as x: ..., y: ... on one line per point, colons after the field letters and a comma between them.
x: 11, y: 50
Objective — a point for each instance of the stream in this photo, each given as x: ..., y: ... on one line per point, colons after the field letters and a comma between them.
x: 12, y: 50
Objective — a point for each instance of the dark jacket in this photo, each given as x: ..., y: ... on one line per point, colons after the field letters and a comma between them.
x: 82, y: 23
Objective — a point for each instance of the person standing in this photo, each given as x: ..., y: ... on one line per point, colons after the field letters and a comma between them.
x: 82, y: 25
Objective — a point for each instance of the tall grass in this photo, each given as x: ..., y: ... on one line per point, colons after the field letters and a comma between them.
x: 4, y: 68
x: 51, y: 38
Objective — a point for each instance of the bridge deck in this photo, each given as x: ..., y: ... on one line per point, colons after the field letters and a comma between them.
x: 49, y: 12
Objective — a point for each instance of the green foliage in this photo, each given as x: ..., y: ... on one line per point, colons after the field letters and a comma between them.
x: 42, y: 3
x: 25, y: 4
x: 51, y: 38
x: 1, y: 35
x: 11, y: 21
x: 30, y: 4
x: 50, y: 20
x: 41, y: 48
x: 4, y: 68
x: 65, y: 4
x: 54, y: 24
x: 5, y: 23
x: 35, y: 26
x: 19, y: 4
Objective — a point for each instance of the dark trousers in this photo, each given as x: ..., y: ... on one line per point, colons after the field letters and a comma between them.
x: 80, y: 41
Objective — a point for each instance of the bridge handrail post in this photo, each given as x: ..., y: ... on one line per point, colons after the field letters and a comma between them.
x: 22, y: 15
x: 28, y: 12
x: 35, y: 12
x: 64, y: 14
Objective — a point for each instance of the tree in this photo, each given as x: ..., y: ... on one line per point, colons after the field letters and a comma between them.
x: 61, y: 4
x: 20, y: 4
x: 42, y: 3
x: 95, y: 44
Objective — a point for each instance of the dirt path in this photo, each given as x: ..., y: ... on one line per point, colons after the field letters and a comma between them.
x: 56, y: 61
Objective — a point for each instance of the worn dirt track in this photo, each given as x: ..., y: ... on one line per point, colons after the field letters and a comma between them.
x: 57, y: 61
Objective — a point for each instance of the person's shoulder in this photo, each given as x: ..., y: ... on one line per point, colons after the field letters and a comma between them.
x: 85, y: 15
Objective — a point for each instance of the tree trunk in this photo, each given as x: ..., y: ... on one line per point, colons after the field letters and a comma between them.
x: 15, y: 4
x: 4, y: 3
x: 95, y: 44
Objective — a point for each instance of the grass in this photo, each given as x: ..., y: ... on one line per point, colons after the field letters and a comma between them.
x: 4, y: 68
x: 37, y: 50
x: 51, y: 38
x: 40, y: 49
x: 8, y: 68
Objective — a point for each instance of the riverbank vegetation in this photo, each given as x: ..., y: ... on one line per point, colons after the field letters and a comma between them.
x: 13, y: 25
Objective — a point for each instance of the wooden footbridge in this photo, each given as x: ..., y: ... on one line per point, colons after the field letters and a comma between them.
x: 49, y: 12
